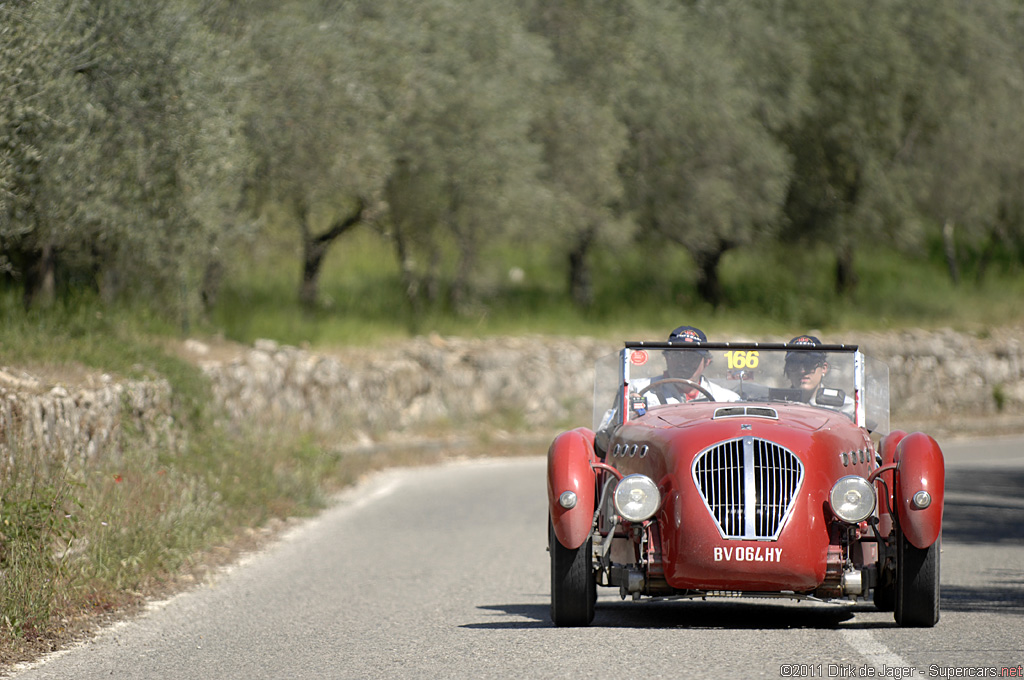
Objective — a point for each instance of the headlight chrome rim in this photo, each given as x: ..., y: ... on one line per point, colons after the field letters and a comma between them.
x: 852, y: 499
x: 636, y: 498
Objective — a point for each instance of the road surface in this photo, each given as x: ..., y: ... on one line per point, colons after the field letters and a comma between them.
x: 443, y: 573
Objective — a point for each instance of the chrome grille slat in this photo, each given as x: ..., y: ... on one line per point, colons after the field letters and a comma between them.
x: 749, y: 489
x: 749, y: 486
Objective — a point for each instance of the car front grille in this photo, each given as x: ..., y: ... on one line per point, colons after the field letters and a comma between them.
x: 749, y: 486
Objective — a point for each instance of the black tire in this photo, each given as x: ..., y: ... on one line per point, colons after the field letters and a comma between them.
x: 573, y: 585
x: 917, y: 584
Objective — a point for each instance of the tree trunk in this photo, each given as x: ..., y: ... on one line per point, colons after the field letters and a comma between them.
x: 997, y: 237
x: 213, y: 279
x: 846, y: 276
x: 709, y: 287
x: 432, y: 278
x: 949, y: 247
x: 581, y: 286
x: 461, y: 296
x: 412, y: 283
x: 314, y: 248
x: 41, y: 279
x: 312, y: 261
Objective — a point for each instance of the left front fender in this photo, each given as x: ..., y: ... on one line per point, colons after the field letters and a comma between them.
x: 919, y: 467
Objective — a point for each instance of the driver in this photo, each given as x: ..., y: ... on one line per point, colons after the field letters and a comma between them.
x: 686, y: 364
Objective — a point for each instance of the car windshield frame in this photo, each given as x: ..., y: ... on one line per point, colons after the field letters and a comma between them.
x: 858, y: 385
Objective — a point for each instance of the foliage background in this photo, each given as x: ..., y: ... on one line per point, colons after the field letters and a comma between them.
x: 452, y: 158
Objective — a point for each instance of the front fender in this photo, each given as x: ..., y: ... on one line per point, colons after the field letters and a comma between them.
x: 570, y: 459
x: 889, y: 444
x: 919, y: 467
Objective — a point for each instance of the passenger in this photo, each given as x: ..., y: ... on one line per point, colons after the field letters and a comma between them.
x: 687, y: 364
x: 806, y: 372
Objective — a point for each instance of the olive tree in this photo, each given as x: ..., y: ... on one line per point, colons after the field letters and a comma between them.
x: 583, y: 139
x: 117, y: 139
x: 847, y: 187
x: 38, y: 136
x: 583, y: 144
x: 461, y: 83
x: 315, y: 126
x: 964, y: 138
x: 702, y: 170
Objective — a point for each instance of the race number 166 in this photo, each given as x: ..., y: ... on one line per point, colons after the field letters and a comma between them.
x: 741, y: 359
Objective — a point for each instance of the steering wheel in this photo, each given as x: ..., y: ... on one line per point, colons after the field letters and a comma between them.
x: 690, y: 383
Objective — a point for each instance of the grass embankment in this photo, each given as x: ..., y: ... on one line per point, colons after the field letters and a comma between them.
x: 79, y: 542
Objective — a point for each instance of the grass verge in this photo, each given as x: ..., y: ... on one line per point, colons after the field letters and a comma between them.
x: 82, y: 544
x: 150, y: 510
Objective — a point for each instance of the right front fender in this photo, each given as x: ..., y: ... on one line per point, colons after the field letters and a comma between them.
x: 570, y: 460
x: 919, y: 467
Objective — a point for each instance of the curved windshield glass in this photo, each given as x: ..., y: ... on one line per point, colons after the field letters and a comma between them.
x: 645, y: 376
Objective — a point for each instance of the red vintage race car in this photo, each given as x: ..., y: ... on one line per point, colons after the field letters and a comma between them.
x: 742, y: 481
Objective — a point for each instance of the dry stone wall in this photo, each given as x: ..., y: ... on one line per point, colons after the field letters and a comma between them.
x: 429, y: 380
x: 944, y: 374
x: 935, y: 376
x: 363, y: 396
x: 81, y: 423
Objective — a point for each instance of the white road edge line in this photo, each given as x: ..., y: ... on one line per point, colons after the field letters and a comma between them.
x: 877, y: 654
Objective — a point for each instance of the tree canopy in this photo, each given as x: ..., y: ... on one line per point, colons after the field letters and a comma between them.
x: 142, y: 146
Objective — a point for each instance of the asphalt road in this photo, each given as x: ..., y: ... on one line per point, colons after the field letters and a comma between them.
x: 443, y: 573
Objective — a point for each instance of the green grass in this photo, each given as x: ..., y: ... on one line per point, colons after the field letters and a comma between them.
x: 79, y: 540
x: 640, y: 292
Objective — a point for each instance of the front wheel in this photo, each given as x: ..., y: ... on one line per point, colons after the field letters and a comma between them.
x: 573, y: 585
x: 917, y: 583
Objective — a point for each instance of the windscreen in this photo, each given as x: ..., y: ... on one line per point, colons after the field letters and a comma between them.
x: 652, y: 375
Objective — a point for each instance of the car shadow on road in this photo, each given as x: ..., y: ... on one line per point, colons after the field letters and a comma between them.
x: 984, y: 506
x: 1005, y: 598
x: 682, y: 614
x: 530, y: 615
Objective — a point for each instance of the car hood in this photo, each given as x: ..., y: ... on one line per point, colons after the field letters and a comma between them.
x: 792, y: 416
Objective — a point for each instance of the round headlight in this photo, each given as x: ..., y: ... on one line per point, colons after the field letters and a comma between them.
x: 852, y: 499
x: 637, y: 497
